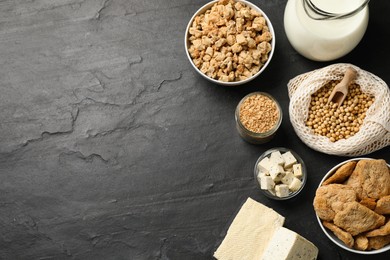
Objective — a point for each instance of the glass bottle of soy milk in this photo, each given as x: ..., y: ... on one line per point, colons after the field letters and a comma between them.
x: 325, y: 30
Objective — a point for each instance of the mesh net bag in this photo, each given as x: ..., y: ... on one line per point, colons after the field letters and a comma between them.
x: 374, y: 133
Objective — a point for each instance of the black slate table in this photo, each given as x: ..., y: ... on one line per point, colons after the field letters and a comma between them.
x: 112, y: 147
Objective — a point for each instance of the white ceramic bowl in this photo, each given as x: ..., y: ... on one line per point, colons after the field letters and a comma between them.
x: 234, y: 83
x: 330, y: 234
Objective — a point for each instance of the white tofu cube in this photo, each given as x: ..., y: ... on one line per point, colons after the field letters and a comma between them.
x: 295, y: 184
x: 266, y: 183
x: 297, y: 168
x: 282, y: 190
x: 289, y: 159
x: 264, y: 164
x: 261, y: 175
x: 276, y: 157
x: 276, y: 172
x: 272, y: 192
x: 288, y: 178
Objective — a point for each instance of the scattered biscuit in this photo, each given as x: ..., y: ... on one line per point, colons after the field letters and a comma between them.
x: 341, y: 173
x: 369, y: 203
x: 341, y: 234
x: 331, y: 198
x: 382, y: 231
x: 354, y: 182
x: 383, y: 205
x: 356, y: 218
x: 378, y: 242
x: 375, y: 178
x: 361, y: 242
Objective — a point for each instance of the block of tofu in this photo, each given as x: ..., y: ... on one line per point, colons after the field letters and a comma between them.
x: 285, y: 244
x: 288, y: 178
x: 282, y: 190
x: 261, y: 175
x: 264, y: 165
x: 267, y: 183
x: 295, y: 184
x: 297, y: 168
x: 276, y: 172
x: 289, y: 159
x: 276, y: 158
x: 250, y: 232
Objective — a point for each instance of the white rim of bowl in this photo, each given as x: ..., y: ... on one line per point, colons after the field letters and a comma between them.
x: 331, y: 236
x: 234, y: 83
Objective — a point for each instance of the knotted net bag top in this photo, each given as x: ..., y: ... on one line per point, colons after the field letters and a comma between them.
x: 374, y: 133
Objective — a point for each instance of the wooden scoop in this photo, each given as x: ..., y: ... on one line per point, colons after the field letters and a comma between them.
x: 340, y: 91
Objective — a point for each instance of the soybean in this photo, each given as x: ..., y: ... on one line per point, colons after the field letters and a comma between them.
x: 336, y: 123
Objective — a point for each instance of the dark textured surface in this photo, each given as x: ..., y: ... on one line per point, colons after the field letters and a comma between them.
x: 112, y: 147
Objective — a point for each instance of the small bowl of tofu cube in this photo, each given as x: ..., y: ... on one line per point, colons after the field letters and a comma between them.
x: 280, y: 173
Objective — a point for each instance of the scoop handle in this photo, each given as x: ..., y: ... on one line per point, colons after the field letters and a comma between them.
x: 349, y: 76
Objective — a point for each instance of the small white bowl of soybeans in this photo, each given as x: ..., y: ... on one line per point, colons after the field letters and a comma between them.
x: 338, y: 122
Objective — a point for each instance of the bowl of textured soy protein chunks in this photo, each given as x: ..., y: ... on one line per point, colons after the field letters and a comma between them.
x: 229, y: 42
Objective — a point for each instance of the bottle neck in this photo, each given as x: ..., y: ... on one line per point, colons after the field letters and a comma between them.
x: 317, y: 12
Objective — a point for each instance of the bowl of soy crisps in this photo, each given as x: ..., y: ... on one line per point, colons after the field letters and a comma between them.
x: 352, y: 205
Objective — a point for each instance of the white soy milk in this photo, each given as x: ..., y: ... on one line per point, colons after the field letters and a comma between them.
x: 324, y: 40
